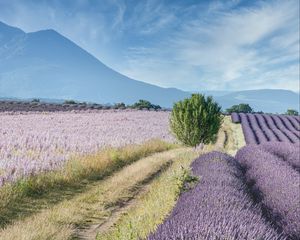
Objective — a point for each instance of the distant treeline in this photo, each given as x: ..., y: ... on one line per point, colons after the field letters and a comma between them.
x: 36, y: 105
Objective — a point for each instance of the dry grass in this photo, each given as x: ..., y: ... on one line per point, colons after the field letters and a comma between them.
x: 16, y: 199
x: 235, y: 136
x: 230, y: 138
x: 64, y: 220
x: 154, y: 205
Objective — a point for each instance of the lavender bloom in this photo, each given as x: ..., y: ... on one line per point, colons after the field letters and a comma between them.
x: 291, y: 134
x: 289, y: 126
x: 37, y: 142
x: 259, y: 132
x: 217, y: 208
x: 260, y: 128
x: 294, y: 121
x: 268, y: 130
x: 250, y: 136
x: 274, y: 126
x: 278, y: 185
x: 286, y: 151
x: 235, y: 118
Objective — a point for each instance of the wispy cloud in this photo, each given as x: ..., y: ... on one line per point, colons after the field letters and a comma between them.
x: 186, y: 44
x: 248, y: 47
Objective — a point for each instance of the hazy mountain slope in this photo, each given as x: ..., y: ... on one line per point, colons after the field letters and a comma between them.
x: 46, y: 64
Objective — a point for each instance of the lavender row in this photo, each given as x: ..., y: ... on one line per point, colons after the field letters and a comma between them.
x: 277, y: 185
x: 272, y: 134
x: 295, y: 122
x: 282, y: 134
x: 235, y: 118
x: 249, y: 134
x: 286, y: 151
x: 217, y: 208
x: 260, y: 128
x: 288, y: 124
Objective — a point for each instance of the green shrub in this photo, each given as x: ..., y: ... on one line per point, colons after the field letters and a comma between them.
x: 35, y: 100
x: 292, y: 112
x: 144, y: 104
x: 185, y: 181
x: 241, y: 108
x: 196, y: 120
x: 69, y: 102
x: 120, y: 105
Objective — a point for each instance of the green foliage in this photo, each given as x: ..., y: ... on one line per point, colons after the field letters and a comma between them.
x: 35, y: 100
x: 292, y: 112
x: 241, y: 108
x: 185, y: 181
x: 196, y: 120
x: 120, y: 105
x: 144, y: 104
x: 69, y: 102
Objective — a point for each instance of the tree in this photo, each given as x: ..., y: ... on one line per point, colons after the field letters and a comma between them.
x: 196, y: 120
x: 141, y: 104
x: 292, y: 112
x: 35, y: 100
x: 120, y: 105
x: 241, y: 108
x: 69, y: 102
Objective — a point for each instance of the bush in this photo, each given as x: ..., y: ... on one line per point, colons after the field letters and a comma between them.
x: 144, y: 104
x: 196, y: 120
x: 292, y: 112
x: 241, y: 108
x: 35, y: 100
x: 69, y: 102
x: 120, y: 105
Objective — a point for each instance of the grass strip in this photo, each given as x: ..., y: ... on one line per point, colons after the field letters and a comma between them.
x: 70, y: 218
x: 153, y: 206
x: 17, y: 199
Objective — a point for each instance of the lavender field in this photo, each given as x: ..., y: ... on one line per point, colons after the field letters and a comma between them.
x: 36, y: 142
x: 254, y: 195
x: 219, y: 207
x: 276, y: 183
x: 260, y: 128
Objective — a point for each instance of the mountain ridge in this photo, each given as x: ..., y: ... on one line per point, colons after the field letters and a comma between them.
x: 45, y: 64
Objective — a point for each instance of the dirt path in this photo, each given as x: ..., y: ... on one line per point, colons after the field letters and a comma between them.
x: 82, y: 216
x: 90, y: 230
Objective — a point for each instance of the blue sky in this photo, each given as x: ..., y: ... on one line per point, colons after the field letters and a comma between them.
x: 188, y: 44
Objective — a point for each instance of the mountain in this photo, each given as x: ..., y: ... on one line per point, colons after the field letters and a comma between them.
x: 45, y: 64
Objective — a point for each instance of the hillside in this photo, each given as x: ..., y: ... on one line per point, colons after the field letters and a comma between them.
x: 47, y: 65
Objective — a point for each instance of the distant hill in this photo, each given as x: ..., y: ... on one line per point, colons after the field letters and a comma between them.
x: 266, y: 100
x: 47, y: 65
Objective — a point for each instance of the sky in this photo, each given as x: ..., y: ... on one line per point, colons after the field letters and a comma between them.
x: 187, y: 44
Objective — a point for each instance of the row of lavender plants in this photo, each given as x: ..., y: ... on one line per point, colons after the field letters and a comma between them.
x: 286, y: 151
x: 272, y: 171
x: 260, y: 128
x: 218, y: 207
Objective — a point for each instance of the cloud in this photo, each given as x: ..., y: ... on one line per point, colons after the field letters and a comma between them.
x: 244, y: 48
